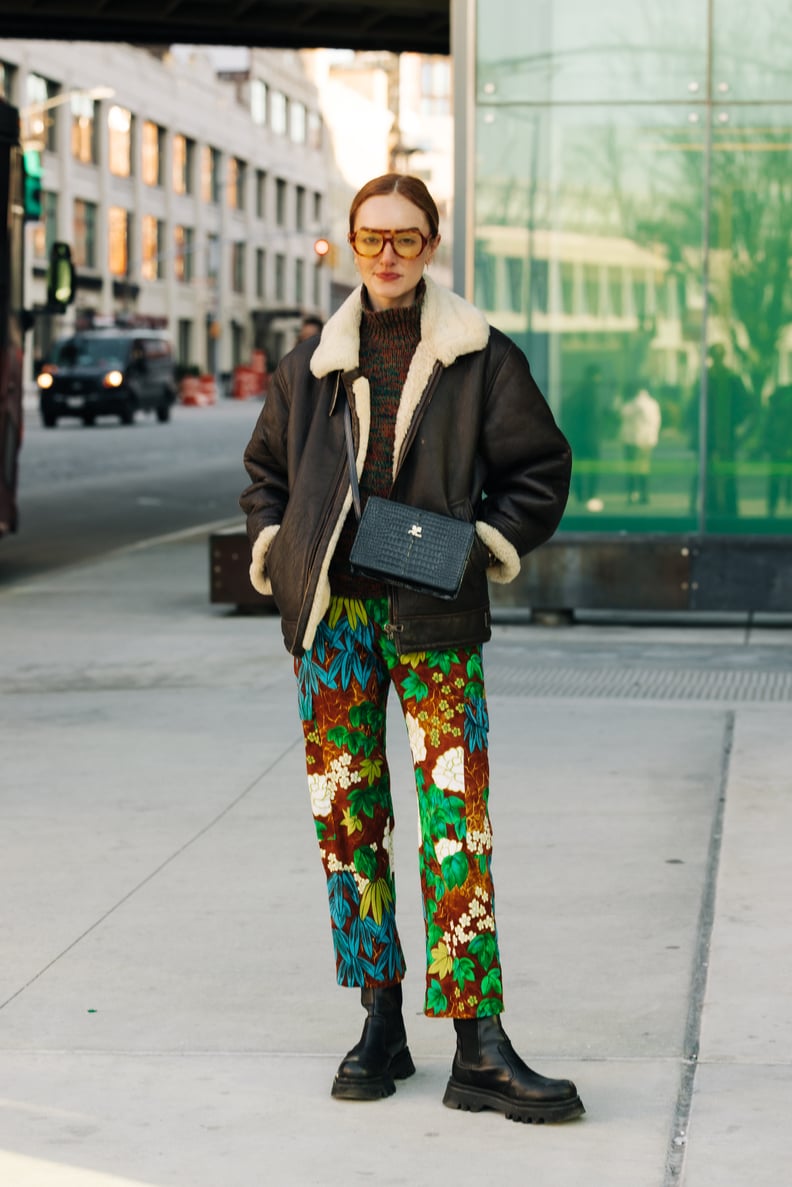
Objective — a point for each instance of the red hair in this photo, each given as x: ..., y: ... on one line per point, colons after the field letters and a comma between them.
x: 411, y: 188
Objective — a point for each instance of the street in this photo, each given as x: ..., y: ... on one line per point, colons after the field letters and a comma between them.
x: 86, y: 491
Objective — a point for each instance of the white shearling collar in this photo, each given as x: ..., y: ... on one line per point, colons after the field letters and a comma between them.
x: 450, y: 327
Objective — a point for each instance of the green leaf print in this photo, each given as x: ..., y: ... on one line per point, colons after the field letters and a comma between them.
x: 371, y: 769
x: 363, y: 800
x: 436, y: 1000
x: 389, y: 653
x: 474, y: 691
x: 366, y: 714
x: 357, y: 740
x: 321, y: 829
x: 489, y: 1006
x: 377, y: 898
x: 492, y: 982
x: 463, y: 971
x: 414, y: 687
x: 483, y: 947
x: 474, y: 666
x: 338, y: 735
x: 366, y: 862
x: 442, y: 660
x: 433, y: 934
x: 455, y: 870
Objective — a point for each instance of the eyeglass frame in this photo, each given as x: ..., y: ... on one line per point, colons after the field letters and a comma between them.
x: 389, y: 237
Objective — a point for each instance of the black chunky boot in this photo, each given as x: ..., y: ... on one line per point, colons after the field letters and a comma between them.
x: 488, y: 1074
x: 367, y: 1071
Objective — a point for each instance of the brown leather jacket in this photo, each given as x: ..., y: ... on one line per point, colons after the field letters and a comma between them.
x: 474, y: 438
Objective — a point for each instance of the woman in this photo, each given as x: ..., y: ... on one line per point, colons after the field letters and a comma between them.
x: 446, y: 417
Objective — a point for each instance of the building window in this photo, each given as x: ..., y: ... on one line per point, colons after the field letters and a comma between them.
x: 299, y: 282
x: 183, y: 162
x: 118, y: 240
x: 314, y: 129
x: 280, y: 201
x: 317, y: 209
x: 235, y: 190
x: 280, y: 277
x: 317, y: 285
x: 258, y: 102
x: 261, y: 193
x: 45, y: 231
x: 7, y: 76
x: 279, y: 113
x: 210, y: 174
x: 261, y: 271
x: 213, y: 257
x: 153, y: 142
x: 41, y: 124
x: 183, y: 253
x: 152, y: 239
x: 84, y: 140
x: 84, y: 237
x: 119, y: 145
x: 238, y: 267
x: 297, y: 122
x: 184, y: 341
x: 436, y: 87
x: 299, y: 207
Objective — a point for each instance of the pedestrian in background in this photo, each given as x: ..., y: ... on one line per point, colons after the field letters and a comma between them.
x: 640, y: 431
x: 309, y: 328
x: 446, y: 417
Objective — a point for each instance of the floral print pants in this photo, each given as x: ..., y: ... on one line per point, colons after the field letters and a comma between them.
x: 343, y: 683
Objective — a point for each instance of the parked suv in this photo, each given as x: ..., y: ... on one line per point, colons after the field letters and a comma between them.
x: 112, y: 372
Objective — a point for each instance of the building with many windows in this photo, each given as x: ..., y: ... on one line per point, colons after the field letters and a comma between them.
x: 191, y: 188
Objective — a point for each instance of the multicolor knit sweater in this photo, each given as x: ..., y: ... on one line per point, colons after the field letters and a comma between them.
x: 387, y: 343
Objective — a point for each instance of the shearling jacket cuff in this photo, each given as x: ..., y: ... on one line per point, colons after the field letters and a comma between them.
x: 258, y: 569
x: 507, y: 560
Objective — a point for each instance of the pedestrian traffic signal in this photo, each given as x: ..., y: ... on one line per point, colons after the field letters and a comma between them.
x: 33, y: 172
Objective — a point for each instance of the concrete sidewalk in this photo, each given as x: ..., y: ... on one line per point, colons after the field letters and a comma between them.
x: 168, y: 1010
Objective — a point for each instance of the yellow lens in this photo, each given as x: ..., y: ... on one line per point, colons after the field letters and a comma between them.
x: 368, y: 243
x: 408, y: 245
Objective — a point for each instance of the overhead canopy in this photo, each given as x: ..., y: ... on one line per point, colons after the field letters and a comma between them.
x: 420, y: 26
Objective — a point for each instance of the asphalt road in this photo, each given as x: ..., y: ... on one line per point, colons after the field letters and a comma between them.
x: 86, y: 491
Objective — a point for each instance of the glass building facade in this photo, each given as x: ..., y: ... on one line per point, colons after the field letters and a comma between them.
x: 630, y: 227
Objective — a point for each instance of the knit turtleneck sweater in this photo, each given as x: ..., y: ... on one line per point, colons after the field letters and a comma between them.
x: 388, y: 339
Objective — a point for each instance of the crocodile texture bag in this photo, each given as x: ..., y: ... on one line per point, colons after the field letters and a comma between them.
x: 405, y: 545
x: 408, y: 546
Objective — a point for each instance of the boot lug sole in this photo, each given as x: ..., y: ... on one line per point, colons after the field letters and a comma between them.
x: 377, y: 1087
x: 474, y: 1100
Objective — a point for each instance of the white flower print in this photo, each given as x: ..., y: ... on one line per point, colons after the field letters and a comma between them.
x: 339, y: 774
x: 449, y: 770
x: 321, y: 795
x: 446, y: 848
x: 417, y: 738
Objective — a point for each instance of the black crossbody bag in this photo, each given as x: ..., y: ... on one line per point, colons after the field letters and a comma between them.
x: 405, y: 545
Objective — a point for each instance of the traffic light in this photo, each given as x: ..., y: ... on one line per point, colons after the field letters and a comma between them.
x: 322, y: 249
x: 33, y: 173
x: 60, y: 277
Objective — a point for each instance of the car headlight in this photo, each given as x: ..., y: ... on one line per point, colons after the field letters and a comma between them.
x: 44, y: 380
x: 113, y: 379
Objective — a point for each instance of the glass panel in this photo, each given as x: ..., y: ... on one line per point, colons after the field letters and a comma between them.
x: 589, y: 255
x: 752, y: 50
x: 748, y: 409
x: 569, y: 51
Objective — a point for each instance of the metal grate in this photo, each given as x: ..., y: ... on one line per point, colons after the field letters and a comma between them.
x: 683, y: 684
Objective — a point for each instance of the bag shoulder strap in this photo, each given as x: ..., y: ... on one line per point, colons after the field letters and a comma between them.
x: 353, y: 478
